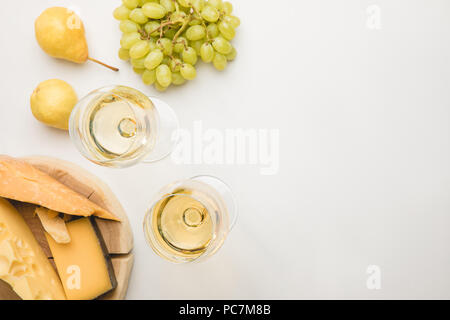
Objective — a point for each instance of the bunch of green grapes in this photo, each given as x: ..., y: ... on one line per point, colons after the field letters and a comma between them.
x: 164, y: 39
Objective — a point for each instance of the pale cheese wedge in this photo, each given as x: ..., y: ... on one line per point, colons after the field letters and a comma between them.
x: 22, y: 182
x: 23, y: 264
x: 54, y: 225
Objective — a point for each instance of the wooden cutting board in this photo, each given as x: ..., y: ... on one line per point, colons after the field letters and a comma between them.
x: 117, y: 235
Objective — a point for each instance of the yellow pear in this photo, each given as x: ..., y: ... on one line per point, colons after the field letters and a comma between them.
x: 52, y: 103
x: 60, y: 33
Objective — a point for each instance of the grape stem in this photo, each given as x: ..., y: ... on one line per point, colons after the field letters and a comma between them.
x: 144, y: 35
x: 103, y: 64
x: 183, y: 27
x: 160, y: 28
x: 173, y: 58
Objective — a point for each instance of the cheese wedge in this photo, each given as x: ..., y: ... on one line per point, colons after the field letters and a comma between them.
x: 23, y: 264
x: 51, y: 214
x: 85, y: 269
x: 22, y: 182
x: 53, y: 225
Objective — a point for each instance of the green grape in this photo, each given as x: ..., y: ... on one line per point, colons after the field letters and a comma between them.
x: 129, y: 39
x: 150, y: 28
x: 187, y: 10
x: 154, y: 59
x: 166, y: 60
x: 164, y: 75
x: 218, y: 4
x: 159, y: 87
x: 142, y: 2
x: 180, y: 44
x: 177, y: 79
x: 170, y: 34
x: 122, y: 13
x: 139, y: 49
x: 210, y: 14
x: 138, y: 70
x: 175, y: 64
x: 149, y: 77
x: 232, y: 55
x: 138, y: 63
x: 169, y: 5
x: 124, y: 54
x: 195, y: 33
x: 207, y: 52
x: 154, y: 10
x: 178, y: 16
x: 198, y: 5
x: 138, y: 16
x: 234, y: 21
x: 227, y: 30
x: 221, y: 45
x: 131, y: 4
x: 197, y: 45
x: 220, y: 62
x: 184, y: 3
x: 196, y: 21
x: 165, y: 45
x: 127, y: 26
x: 190, y: 56
x: 152, y: 44
x: 213, y: 30
x: 228, y: 7
x: 188, y: 71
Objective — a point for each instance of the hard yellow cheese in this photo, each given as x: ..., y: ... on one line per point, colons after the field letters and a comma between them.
x: 53, y: 224
x: 23, y: 264
x: 85, y: 269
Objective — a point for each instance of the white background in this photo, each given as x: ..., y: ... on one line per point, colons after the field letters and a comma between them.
x: 364, y: 155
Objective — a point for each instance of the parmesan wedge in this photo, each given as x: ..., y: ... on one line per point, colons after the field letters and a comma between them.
x: 21, y: 181
x: 54, y: 225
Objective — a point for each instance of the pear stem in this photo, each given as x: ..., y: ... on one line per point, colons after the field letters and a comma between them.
x: 103, y: 64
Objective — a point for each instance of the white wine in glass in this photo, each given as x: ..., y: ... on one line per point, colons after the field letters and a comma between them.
x: 190, y: 220
x: 119, y: 126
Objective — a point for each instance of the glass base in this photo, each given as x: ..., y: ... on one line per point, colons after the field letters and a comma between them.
x: 169, y: 132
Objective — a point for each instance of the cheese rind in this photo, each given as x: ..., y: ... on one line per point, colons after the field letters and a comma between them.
x: 23, y: 264
x: 83, y: 264
x: 22, y: 182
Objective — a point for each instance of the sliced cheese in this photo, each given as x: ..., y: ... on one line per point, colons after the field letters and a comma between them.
x: 23, y: 264
x: 52, y: 214
x: 22, y: 182
x: 53, y: 225
x: 83, y: 264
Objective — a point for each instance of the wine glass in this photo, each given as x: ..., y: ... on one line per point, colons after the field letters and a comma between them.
x: 118, y: 126
x: 189, y: 220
